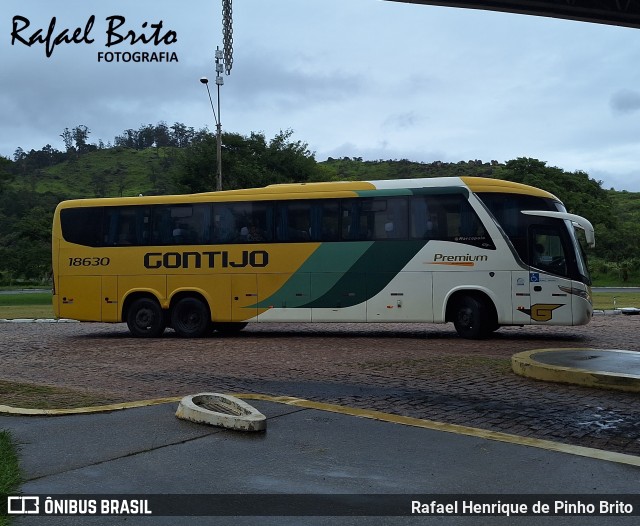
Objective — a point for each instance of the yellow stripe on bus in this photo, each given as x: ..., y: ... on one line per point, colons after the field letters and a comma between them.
x: 482, y: 184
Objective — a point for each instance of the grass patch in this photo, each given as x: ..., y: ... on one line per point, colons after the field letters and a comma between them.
x: 26, y: 311
x: 29, y: 298
x: 33, y: 396
x: 604, y: 300
x: 10, y: 476
x: 29, y: 305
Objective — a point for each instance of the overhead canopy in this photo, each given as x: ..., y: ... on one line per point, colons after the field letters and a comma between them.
x: 614, y: 12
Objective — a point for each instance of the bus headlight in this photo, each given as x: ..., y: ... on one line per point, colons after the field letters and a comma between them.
x: 584, y: 294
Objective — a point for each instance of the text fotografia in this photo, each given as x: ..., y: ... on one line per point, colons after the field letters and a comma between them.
x: 117, y: 33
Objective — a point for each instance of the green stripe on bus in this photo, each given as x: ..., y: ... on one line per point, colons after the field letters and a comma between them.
x: 330, y: 260
x: 369, y: 275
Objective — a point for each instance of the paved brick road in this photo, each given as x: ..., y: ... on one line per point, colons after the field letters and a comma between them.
x: 424, y: 371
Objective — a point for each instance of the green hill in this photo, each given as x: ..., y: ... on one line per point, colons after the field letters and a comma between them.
x: 110, y: 172
x: 163, y: 160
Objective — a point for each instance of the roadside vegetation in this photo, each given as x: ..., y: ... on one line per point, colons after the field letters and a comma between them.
x: 615, y: 300
x: 10, y: 477
x: 161, y: 159
x: 35, y: 305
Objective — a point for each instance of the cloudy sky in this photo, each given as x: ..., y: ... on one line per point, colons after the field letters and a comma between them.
x: 358, y: 78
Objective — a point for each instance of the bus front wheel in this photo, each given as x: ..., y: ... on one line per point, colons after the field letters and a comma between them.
x: 471, y: 318
x: 145, y: 318
x: 190, y: 318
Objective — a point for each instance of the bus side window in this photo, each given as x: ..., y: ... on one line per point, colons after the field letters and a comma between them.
x: 391, y: 220
x: 83, y: 226
x: 352, y: 228
x: 127, y: 225
x: 161, y: 233
x: 260, y: 220
x: 325, y: 220
x: 293, y: 221
x: 224, y: 224
x: 422, y: 224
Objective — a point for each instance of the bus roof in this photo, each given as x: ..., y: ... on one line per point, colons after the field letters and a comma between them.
x: 326, y: 189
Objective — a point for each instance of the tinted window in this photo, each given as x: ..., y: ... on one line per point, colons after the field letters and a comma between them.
x: 442, y: 217
x: 126, y: 225
x: 242, y: 222
x: 506, y: 209
x: 375, y: 219
x: 293, y: 221
x: 548, y: 250
x: 82, y: 226
x: 447, y: 218
x: 182, y: 224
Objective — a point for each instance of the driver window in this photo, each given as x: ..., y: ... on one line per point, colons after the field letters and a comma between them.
x: 547, y: 251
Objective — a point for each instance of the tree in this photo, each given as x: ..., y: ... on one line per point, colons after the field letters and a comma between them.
x: 80, y: 135
x: 247, y: 161
x: 181, y: 136
x: 5, y: 172
x: 120, y: 176
x: 67, y: 138
x: 99, y: 183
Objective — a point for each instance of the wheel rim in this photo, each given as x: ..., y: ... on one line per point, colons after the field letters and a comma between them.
x: 465, y: 317
x: 190, y: 320
x: 144, y: 319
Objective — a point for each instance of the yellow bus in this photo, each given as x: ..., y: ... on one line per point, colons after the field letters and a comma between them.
x: 481, y: 253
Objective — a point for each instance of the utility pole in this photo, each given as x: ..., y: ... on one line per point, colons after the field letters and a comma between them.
x: 224, y: 62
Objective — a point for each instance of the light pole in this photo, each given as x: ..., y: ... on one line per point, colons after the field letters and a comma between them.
x: 216, y: 118
x: 224, y: 62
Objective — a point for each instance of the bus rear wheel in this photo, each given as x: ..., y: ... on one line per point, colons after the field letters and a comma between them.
x: 471, y: 318
x: 190, y: 318
x: 145, y: 318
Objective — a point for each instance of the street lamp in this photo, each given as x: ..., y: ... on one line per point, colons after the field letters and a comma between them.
x: 219, y: 82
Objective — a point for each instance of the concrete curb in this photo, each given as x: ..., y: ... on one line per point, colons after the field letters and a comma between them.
x: 526, y: 364
x: 18, y: 411
x: 37, y: 320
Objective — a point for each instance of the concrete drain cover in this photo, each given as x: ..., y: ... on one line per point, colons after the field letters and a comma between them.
x: 221, y: 410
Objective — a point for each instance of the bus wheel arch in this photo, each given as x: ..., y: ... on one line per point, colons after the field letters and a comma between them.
x: 473, y: 314
x: 144, y: 315
x: 190, y: 315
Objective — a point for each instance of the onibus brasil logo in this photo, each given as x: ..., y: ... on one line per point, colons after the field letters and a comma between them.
x: 116, y: 33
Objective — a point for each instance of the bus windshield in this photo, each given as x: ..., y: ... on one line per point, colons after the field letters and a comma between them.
x: 540, y: 232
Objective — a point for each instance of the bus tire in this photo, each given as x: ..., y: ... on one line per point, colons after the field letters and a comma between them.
x: 190, y: 318
x: 229, y: 327
x: 145, y: 318
x: 471, y: 318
